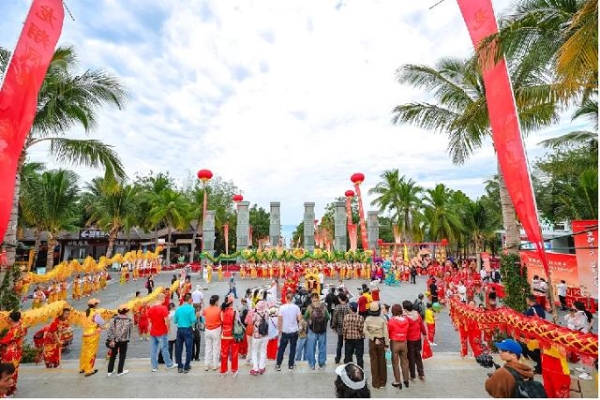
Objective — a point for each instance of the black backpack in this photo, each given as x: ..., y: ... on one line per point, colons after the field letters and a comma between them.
x: 419, y: 307
x: 527, y: 388
x: 318, y: 321
x: 263, y: 326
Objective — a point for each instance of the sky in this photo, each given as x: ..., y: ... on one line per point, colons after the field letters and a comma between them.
x: 287, y: 99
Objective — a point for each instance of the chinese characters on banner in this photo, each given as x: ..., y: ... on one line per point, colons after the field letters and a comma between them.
x: 18, y: 97
x: 561, y: 266
x: 585, y: 234
x: 506, y: 134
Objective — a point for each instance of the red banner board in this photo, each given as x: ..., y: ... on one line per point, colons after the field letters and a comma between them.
x: 585, y: 233
x: 18, y: 97
x: 506, y: 134
x: 561, y: 266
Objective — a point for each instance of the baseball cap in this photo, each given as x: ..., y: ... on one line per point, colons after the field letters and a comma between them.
x: 510, y: 346
x: 354, y: 306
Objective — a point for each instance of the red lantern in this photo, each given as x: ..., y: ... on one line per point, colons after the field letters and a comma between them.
x: 237, y: 198
x: 444, y: 242
x: 349, y: 193
x: 357, y: 178
x: 379, y: 242
x: 205, y: 175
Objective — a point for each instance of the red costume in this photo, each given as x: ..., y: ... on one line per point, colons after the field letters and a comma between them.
x: 12, y: 351
x: 52, y: 347
x: 472, y: 334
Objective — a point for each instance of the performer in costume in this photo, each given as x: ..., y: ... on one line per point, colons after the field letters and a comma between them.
x: 11, y: 346
x: 63, y: 290
x: 219, y: 273
x: 38, y: 298
x: 103, y: 279
x: 52, y: 339
x: 124, y: 272
x: 76, y: 294
x: 471, y: 333
x: 87, y: 289
x: 91, y: 339
x: 208, y: 273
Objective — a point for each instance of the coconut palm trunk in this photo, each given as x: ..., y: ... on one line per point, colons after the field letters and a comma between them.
x: 36, y: 246
x: 10, y: 236
x: 51, y: 244
x: 112, y: 237
x: 509, y: 218
x: 168, y: 260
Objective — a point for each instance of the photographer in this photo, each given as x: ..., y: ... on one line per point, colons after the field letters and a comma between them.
x: 502, y: 383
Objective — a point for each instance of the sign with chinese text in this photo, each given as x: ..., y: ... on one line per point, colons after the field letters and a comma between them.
x: 561, y: 266
x: 585, y: 234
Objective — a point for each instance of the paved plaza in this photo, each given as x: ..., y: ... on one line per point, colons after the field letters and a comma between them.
x: 447, y: 374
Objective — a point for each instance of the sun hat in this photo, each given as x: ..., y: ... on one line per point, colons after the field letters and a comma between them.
x: 510, y: 346
x: 341, y: 372
x: 123, y: 307
x: 374, y: 307
x: 94, y: 301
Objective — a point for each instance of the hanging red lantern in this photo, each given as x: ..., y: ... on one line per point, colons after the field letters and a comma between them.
x: 349, y: 193
x: 357, y: 178
x: 444, y: 242
x: 237, y: 198
x: 205, y: 175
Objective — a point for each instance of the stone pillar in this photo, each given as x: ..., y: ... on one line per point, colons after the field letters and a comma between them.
x: 372, y: 229
x: 309, y: 227
x: 208, y: 232
x: 243, y: 226
x: 340, y: 242
x: 275, y: 224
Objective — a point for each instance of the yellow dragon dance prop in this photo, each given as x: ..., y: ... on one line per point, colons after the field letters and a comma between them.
x: 520, y: 326
x: 67, y: 269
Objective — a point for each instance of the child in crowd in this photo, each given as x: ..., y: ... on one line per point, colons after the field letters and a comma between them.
x: 302, y: 335
x: 430, y: 322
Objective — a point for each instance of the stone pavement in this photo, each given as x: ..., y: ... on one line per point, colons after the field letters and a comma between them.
x: 447, y: 374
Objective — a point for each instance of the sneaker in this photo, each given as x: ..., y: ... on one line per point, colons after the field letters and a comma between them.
x: 262, y: 371
x: 312, y: 367
x: 154, y: 369
x: 171, y: 366
x: 215, y: 368
x: 321, y: 367
x: 585, y: 376
x: 235, y: 374
x: 126, y: 371
x: 91, y: 373
x: 278, y: 368
x: 206, y: 369
x: 180, y: 370
x: 109, y: 374
x: 433, y: 344
x: 254, y: 372
x: 291, y: 367
x: 187, y: 371
x: 582, y: 370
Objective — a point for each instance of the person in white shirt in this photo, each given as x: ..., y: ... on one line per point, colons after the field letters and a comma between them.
x: 272, y: 292
x: 577, y: 320
x: 483, y: 273
x: 287, y: 324
x: 462, y: 291
x: 197, y: 298
x: 561, y: 291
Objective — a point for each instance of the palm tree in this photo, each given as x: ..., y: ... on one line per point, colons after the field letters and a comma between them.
x: 67, y: 100
x: 587, y: 110
x: 110, y: 205
x: 58, y: 198
x: 171, y: 208
x: 401, y: 197
x: 560, y: 34
x: 461, y: 112
x: 439, y: 213
x: 30, y: 207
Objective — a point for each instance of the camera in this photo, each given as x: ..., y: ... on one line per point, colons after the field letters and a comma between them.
x: 486, y: 361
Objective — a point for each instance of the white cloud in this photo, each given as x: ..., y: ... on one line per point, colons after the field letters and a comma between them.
x: 285, y: 98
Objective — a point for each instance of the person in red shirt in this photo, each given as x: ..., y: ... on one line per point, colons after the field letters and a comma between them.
x: 158, y: 316
x: 416, y: 329
x: 229, y: 347
x: 398, y: 331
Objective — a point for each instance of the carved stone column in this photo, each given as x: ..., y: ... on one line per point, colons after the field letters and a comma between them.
x: 340, y: 220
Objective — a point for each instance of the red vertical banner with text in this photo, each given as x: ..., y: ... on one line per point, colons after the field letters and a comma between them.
x: 506, y: 133
x: 18, y: 96
x: 562, y: 267
x: 361, y: 214
x: 585, y: 234
x: 352, y: 236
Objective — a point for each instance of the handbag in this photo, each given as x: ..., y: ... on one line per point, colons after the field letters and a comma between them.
x: 238, y: 329
x: 110, y: 344
x: 427, y: 352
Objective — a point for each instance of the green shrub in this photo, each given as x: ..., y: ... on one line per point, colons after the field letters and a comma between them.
x: 515, y: 282
x: 31, y: 354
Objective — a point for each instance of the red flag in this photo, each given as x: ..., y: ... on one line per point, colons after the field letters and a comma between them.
x: 18, y: 98
x: 481, y: 22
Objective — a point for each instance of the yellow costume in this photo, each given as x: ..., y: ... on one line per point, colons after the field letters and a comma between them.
x: 76, y: 289
x: 63, y: 291
x: 220, y: 273
x: 252, y: 272
x: 124, y: 271
x: 103, y: 280
x: 89, y: 344
x: 242, y: 271
x: 86, y: 286
x: 208, y: 273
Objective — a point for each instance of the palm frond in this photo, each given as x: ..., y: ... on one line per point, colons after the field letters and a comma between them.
x: 91, y: 153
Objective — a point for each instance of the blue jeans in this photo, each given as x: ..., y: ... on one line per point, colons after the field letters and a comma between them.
x: 292, y: 338
x: 184, y: 335
x: 301, y: 349
x: 159, y: 343
x: 314, y: 340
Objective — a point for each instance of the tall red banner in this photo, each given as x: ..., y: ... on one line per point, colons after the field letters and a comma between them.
x: 18, y: 97
x: 506, y: 134
x: 585, y: 234
x: 348, y: 210
x: 361, y: 214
